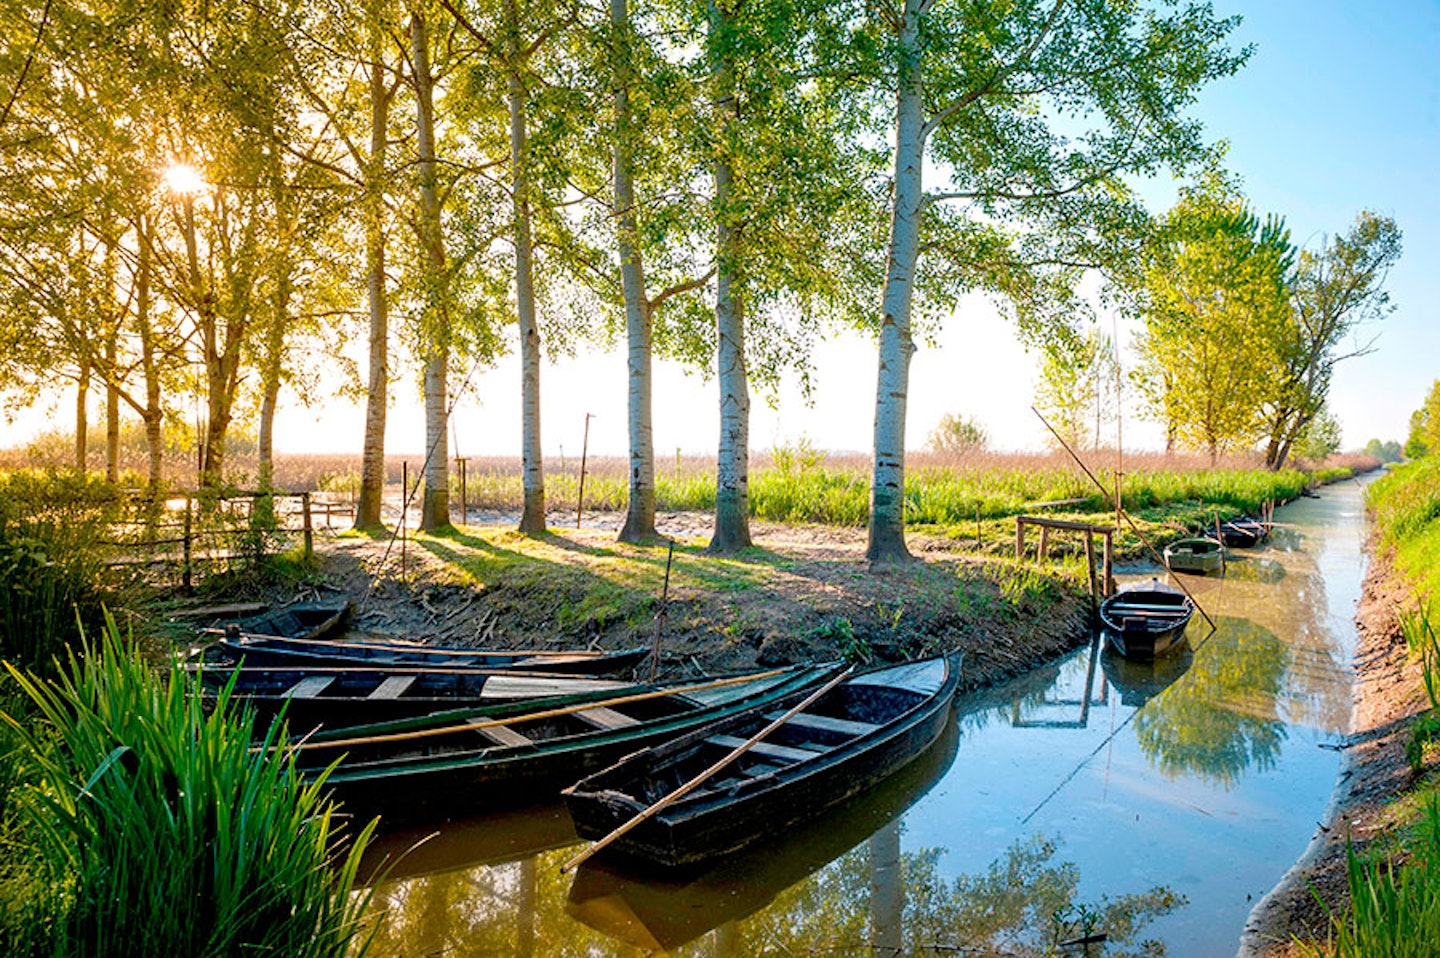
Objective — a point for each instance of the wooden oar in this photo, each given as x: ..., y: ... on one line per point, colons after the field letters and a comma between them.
x: 531, y: 716
x: 706, y: 775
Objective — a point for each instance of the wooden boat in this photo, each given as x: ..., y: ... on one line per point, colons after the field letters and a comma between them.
x: 303, y: 620
x: 663, y: 910
x: 1199, y: 554
x: 854, y: 737
x: 344, y: 696
x: 1243, y: 532
x: 1145, y: 620
x: 280, y: 652
x: 526, y: 751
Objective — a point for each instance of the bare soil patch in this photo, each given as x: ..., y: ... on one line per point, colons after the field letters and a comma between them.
x: 804, y: 593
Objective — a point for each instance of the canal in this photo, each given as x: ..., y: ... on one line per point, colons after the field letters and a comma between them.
x: 1095, y: 798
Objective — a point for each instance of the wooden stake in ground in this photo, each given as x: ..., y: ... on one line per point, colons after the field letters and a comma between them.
x: 660, y: 613
x: 584, y: 451
x: 706, y: 775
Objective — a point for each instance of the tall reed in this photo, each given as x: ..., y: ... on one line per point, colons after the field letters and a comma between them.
x: 153, y: 828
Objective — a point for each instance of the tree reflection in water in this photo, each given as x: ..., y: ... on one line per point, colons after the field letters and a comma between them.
x: 1025, y: 904
x: 1220, y: 718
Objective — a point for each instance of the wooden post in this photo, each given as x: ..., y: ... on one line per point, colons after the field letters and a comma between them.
x: 1090, y: 567
x: 1043, y: 551
x: 977, y: 525
x: 1019, y: 538
x: 584, y: 451
x: 1109, y: 563
x: 185, y: 577
x: 404, y: 508
x: 460, y: 462
x: 306, y: 524
x: 660, y: 614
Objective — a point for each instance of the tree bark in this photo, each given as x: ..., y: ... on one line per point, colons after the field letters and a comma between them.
x: 532, y: 517
x: 112, y: 406
x: 82, y: 424
x: 887, y: 489
x: 640, y: 511
x: 732, y: 467
x: 435, y: 506
x: 153, y: 414
x: 377, y: 396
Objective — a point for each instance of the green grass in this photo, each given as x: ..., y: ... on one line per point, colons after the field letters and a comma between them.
x: 152, y: 827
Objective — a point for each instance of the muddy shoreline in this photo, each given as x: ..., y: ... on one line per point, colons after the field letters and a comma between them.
x: 1373, y: 773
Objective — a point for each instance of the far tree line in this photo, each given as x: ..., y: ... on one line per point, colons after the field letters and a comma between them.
x: 206, y: 199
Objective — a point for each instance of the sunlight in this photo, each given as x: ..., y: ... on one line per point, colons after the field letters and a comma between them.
x: 184, y: 179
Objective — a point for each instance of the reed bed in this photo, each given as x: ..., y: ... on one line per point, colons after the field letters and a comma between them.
x: 152, y: 827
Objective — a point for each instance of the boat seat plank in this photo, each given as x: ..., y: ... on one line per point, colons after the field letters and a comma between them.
x: 826, y: 724
x: 764, y: 749
x: 1143, y: 607
x: 1147, y: 614
x: 527, y: 686
x: 603, y: 717
x: 501, y: 734
x: 309, y: 687
x: 393, y: 687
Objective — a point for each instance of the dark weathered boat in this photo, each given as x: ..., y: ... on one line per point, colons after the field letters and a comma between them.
x: 340, y: 696
x: 280, y: 652
x: 1147, y: 619
x: 1199, y: 554
x: 1243, y: 532
x: 856, y: 735
x: 657, y: 910
x: 303, y: 620
x: 526, y: 752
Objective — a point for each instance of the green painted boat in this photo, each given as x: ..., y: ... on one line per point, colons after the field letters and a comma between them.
x: 1198, y: 554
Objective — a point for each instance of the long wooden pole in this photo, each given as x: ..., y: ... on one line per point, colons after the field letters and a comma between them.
x: 532, y: 716
x: 1131, y: 522
x: 706, y: 775
x: 660, y: 614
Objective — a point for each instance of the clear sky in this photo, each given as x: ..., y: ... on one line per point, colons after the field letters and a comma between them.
x: 1338, y: 110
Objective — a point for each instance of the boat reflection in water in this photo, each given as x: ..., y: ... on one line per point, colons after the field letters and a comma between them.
x: 1139, y: 682
x: 663, y: 910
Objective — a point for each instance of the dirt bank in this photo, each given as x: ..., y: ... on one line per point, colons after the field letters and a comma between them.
x: 1374, y: 773
x: 804, y: 593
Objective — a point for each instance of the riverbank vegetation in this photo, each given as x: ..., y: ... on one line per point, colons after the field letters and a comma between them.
x: 1394, y: 883
x: 133, y: 819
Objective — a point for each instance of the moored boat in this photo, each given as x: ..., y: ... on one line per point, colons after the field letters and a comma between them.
x: 281, y: 652
x: 526, y: 751
x: 302, y: 620
x: 1199, y: 554
x: 853, y: 737
x: 1147, y: 619
x: 1243, y: 532
x: 344, y: 696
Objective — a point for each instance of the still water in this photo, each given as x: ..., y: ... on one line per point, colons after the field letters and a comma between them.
x: 1151, y: 805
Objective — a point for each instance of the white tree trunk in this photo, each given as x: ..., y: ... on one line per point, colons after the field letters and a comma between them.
x: 435, y: 507
x: 887, y: 490
x: 640, y: 513
x: 532, y: 518
x: 732, y: 468
x: 377, y: 396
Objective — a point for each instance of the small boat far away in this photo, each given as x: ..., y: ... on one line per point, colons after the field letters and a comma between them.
x: 1244, y: 532
x: 850, y: 739
x: 1147, y: 619
x: 1199, y: 554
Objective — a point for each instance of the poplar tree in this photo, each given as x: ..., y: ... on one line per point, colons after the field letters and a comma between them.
x: 1033, y: 115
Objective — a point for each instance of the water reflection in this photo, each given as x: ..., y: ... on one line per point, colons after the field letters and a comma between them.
x: 1139, y: 682
x: 1219, y: 719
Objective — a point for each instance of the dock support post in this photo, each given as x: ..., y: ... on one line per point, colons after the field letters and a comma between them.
x: 1019, y: 538
x: 307, y: 525
x: 1109, y: 563
x: 1090, y: 567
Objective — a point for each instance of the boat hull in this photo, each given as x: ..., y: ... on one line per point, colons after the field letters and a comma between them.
x: 714, y: 822
x: 480, y: 775
x: 1146, y: 621
x: 1200, y: 556
x: 279, y: 652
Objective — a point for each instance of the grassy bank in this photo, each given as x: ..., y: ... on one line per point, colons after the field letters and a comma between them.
x: 1394, y: 885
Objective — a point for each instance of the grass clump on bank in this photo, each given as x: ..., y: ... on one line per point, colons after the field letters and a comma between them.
x: 139, y: 824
